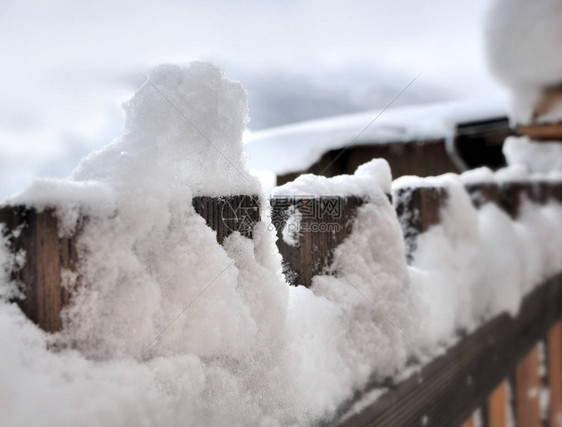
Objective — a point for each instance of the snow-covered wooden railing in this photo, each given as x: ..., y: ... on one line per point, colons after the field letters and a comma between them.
x: 472, y: 375
x: 476, y: 373
x: 418, y: 208
x: 228, y: 214
x: 323, y: 223
x: 49, y: 256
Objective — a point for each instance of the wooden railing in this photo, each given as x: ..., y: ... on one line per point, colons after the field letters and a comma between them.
x: 475, y: 374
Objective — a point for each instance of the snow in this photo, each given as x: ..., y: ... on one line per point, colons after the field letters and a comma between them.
x: 72, y: 199
x: 522, y: 40
x: 456, y: 260
x: 375, y: 173
x: 142, y: 342
x: 295, y: 147
x: 478, y: 176
x: 167, y: 125
x: 9, y: 262
x: 512, y: 173
x: 364, y: 402
x: 540, y: 157
x: 167, y: 327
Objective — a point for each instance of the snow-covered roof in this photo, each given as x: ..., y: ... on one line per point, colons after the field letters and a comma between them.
x: 295, y: 147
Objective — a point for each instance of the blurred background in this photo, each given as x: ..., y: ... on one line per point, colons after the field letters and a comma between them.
x: 68, y: 66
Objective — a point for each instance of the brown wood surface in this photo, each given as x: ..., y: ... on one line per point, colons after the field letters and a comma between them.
x: 418, y: 208
x: 554, y: 373
x: 542, y: 191
x: 555, y: 191
x: 482, y: 193
x: 324, y: 224
x: 544, y: 132
x: 469, y: 422
x: 496, y: 410
x: 451, y: 387
x: 46, y: 256
x: 527, y: 390
x: 228, y: 214
x: 512, y: 195
x: 421, y: 158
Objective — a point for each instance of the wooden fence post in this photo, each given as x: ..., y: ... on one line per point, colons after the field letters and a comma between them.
x: 527, y: 390
x: 320, y: 225
x: 556, y: 191
x: 228, y: 214
x: 46, y: 256
x: 554, y: 372
x: 417, y: 209
x: 469, y: 422
x: 496, y: 409
x: 482, y: 193
x: 542, y: 191
x: 512, y: 195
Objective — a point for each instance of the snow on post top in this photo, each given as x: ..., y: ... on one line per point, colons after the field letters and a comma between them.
x: 184, y: 127
x: 369, y: 179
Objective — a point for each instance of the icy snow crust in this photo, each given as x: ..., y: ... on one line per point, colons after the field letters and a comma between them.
x: 246, y: 349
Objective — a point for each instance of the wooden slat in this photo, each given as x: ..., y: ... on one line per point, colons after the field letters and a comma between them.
x: 228, y: 214
x: 554, y: 372
x: 550, y: 132
x: 555, y: 191
x: 46, y: 256
x: 527, y: 390
x: 542, y: 191
x: 512, y: 195
x: 418, y: 208
x: 483, y: 193
x: 451, y: 387
x: 496, y: 414
x: 324, y: 224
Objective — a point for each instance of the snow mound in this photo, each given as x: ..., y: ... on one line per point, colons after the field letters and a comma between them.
x: 523, y: 42
x: 189, y: 123
x: 167, y: 327
x: 539, y: 157
x: 373, y: 174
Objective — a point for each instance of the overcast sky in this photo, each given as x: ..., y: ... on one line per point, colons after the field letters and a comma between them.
x: 67, y: 66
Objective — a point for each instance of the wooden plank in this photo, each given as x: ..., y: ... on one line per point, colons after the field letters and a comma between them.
x: 556, y: 191
x: 542, y: 191
x: 482, y: 193
x: 542, y: 132
x: 421, y: 158
x: 554, y: 373
x: 527, y: 390
x: 451, y: 387
x: 512, y: 195
x: 323, y: 224
x: 496, y: 413
x: 46, y: 255
x: 228, y: 214
x: 418, y: 208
